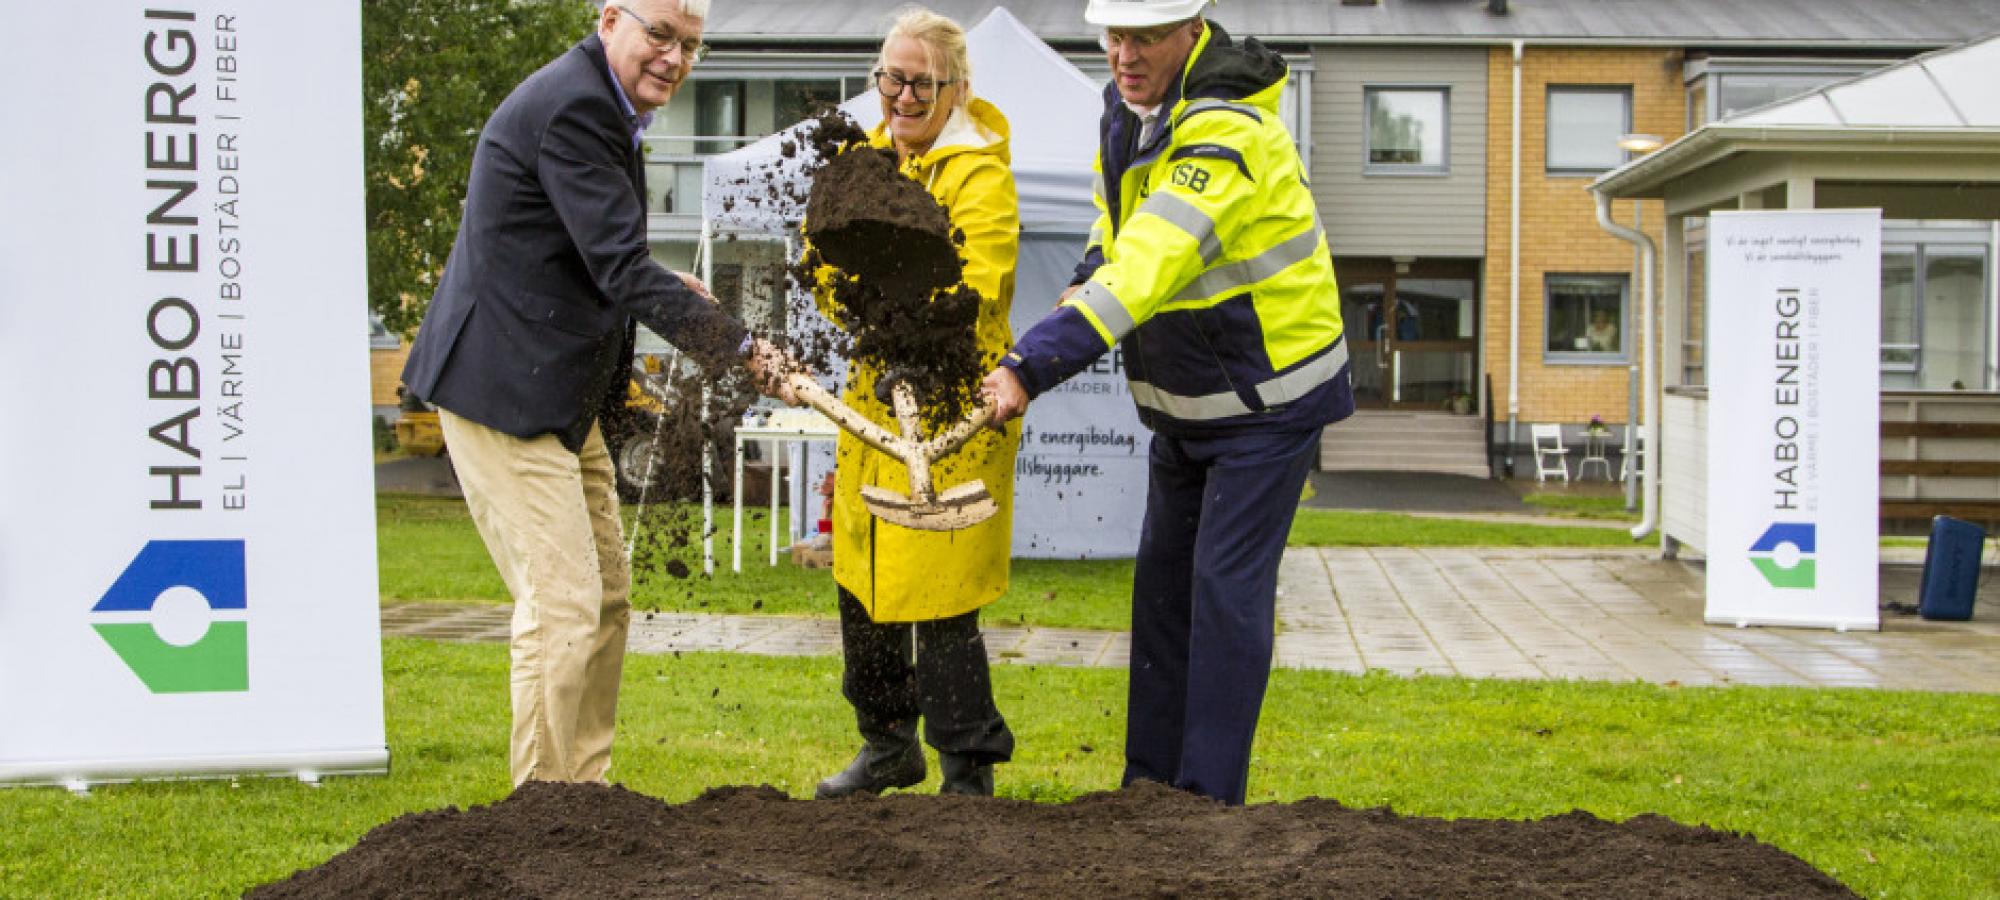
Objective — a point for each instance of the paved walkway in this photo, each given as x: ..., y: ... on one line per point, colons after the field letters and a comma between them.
x: 1485, y: 613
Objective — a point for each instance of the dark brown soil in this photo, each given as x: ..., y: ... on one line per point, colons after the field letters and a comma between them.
x: 551, y: 840
x: 873, y: 223
x: 666, y: 526
x: 899, y: 294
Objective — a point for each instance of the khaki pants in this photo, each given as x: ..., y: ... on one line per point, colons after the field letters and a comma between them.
x: 550, y: 519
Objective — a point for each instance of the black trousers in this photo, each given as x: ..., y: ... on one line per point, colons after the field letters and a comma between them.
x: 941, y: 676
x: 1204, y: 604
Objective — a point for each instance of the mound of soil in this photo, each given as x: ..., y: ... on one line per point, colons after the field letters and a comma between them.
x: 568, y: 840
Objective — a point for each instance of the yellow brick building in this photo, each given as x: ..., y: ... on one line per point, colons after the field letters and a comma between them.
x: 1559, y: 234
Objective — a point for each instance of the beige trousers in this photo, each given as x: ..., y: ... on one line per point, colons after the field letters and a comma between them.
x: 550, y: 519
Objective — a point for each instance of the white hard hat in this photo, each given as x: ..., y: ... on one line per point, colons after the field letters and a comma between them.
x: 1141, y: 13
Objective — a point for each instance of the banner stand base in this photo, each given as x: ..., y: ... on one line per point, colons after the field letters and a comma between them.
x: 79, y: 776
x: 1769, y: 622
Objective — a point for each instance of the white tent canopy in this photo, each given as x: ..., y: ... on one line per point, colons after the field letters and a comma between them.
x: 1051, y: 107
x: 1080, y: 479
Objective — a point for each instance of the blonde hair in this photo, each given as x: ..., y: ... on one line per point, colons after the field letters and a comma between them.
x: 943, y: 41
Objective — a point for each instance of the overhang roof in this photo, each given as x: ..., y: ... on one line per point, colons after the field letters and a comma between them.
x: 1944, y: 101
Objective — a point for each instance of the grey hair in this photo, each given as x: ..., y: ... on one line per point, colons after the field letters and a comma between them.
x: 696, y: 8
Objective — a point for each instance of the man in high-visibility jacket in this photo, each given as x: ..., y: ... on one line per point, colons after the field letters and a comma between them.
x: 1208, y: 262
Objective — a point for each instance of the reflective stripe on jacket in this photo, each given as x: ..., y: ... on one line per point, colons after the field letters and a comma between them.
x: 1207, y: 260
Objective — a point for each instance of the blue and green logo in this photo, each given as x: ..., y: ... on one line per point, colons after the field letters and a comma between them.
x: 178, y: 645
x: 1784, y: 555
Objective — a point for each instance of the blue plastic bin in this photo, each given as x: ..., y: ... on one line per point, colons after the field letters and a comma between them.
x: 1951, y: 570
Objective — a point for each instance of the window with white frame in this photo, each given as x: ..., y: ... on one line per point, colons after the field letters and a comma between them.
x: 1694, y: 321
x: 1585, y: 320
x: 730, y: 101
x: 1585, y: 123
x: 1407, y: 130
x: 718, y: 112
x: 1938, y: 297
x: 1936, y: 292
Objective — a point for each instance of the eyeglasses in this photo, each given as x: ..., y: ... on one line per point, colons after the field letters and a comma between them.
x: 891, y: 85
x: 692, y: 51
x: 1142, y: 38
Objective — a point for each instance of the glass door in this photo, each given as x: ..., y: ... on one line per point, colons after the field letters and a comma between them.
x: 1361, y: 314
x: 1412, y: 331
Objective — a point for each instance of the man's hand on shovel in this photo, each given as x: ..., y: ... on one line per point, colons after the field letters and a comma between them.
x: 1002, y: 390
x: 772, y: 368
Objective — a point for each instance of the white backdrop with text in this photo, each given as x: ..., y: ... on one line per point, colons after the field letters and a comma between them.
x: 1794, y: 343
x: 187, y: 558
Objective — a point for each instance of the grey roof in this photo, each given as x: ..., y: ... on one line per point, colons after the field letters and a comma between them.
x: 1859, y: 24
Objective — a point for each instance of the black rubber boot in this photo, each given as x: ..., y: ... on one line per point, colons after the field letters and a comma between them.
x: 890, y: 758
x: 965, y: 774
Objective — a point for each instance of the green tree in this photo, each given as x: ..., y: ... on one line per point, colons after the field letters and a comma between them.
x: 432, y: 71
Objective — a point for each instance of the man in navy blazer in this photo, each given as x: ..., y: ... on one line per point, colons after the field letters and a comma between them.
x: 530, y: 335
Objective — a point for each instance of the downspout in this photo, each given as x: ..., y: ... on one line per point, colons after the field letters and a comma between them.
x: 1514, y: 278
x: 1649, y: 420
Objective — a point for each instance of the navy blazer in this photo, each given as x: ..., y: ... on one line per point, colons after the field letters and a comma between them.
x: 531, y: 329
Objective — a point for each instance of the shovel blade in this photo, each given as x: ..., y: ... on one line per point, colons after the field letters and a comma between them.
x: 961, y: 507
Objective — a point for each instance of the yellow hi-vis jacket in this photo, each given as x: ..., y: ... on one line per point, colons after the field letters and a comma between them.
x: 1207, y: 262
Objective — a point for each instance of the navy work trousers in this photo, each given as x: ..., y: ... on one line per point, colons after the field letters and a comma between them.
x: 1204, y: 597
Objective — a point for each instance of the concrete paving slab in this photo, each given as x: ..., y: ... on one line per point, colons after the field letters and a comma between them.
x: 1612, y: 615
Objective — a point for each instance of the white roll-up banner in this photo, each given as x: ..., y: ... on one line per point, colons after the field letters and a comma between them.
x: 1794, y: 344
x: 187, y: 551
x: 1080, y: 478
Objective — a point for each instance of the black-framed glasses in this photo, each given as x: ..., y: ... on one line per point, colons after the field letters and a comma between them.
x: 661, y: 38
x: 891, y: 85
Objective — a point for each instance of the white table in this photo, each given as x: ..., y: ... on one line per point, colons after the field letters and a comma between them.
x: 1596, y: 446
x: 777, y: 428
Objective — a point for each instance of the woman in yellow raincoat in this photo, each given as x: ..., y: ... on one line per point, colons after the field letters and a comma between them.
x: 894, y: 580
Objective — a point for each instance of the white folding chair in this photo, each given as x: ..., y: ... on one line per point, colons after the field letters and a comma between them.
x: 1548, y: 439
x: 1635, y: 442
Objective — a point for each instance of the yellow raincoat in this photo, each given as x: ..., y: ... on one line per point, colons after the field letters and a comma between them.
x: 905, y: 575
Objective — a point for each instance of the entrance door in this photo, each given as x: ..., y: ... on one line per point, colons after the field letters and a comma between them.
x: 1412, y: 329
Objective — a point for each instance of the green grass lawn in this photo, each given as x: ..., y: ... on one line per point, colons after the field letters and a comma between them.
x: 428, y: 551
x: 1343, y: 528
x: 1581, y: 506
x: 1893, y: 793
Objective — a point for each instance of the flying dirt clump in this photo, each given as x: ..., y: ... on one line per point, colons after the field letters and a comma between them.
x: 889, y: 256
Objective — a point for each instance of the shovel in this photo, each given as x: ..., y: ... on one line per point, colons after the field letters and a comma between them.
x: 923, y: 508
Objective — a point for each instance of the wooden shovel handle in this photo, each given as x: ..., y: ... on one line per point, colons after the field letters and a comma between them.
x: 957, y: 435
x: 807, y: 389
